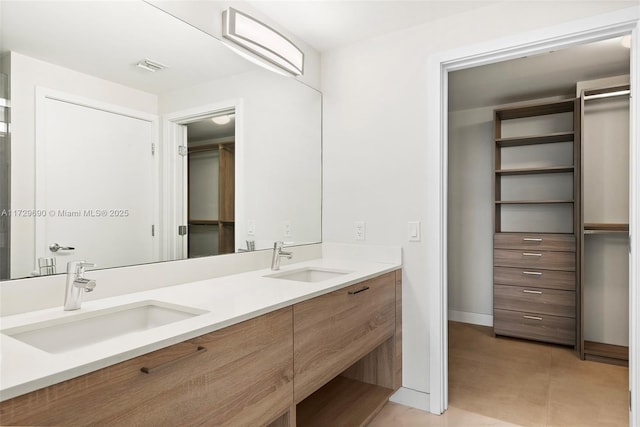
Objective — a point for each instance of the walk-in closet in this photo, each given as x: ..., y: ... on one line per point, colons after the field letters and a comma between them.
x: 538, y: 234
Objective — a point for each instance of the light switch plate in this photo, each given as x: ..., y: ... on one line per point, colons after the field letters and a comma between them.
x: 286, y: 228
x: 414, y: 231
x: 251, y: 227
x: 360, y: 230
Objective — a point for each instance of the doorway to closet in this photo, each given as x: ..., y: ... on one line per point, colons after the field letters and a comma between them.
x: 558, y: 173
x: 211, y: 185
x: 202, y: 156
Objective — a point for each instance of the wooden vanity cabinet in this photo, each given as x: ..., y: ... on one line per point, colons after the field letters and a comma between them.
x: 241, y: 375
x: 346, y: 347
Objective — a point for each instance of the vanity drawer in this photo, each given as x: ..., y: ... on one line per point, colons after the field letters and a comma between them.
x: 533, y: 241
x: 534, y: 259
x: 332, y: 331
x: 541, y: 327
x: 535, y: 300
x: 549, y: 279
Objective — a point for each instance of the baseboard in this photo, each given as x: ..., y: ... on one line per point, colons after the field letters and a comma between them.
x: 414, y: 398
x: 473, y: 318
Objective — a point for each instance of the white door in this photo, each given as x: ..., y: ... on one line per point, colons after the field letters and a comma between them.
x: 96, y: 181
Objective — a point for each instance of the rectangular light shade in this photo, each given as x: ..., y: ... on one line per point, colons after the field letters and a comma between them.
x: 262, y: 40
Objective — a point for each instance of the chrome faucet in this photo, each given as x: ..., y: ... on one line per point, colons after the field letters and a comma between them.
x: 277, y: 254
x: 76, y: 282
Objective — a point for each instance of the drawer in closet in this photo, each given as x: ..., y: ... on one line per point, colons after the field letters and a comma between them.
x: 541, y: 327
x: 535, y: 300
x: 534, y: 259
x: 549, y: 279
x: 533, y: 241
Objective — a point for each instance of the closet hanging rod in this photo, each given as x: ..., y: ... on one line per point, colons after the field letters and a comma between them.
x: 607, y: 94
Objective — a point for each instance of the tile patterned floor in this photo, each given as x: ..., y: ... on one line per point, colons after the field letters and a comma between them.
x: 506, y: 382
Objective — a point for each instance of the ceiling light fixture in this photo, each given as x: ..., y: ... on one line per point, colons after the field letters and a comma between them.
x: 626, y: 41
x: 149, y: 65
x: 262, y: 40
x: 221, y: 120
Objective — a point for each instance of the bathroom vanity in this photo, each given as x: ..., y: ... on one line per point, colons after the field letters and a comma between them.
x: 323, y: 347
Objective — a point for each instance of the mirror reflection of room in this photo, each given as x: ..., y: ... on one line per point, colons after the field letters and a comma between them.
x: 92, y: 158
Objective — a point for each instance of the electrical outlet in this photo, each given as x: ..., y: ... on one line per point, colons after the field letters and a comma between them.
x: 286, y: 228
x: 251, y: 227
x: 360, y: 230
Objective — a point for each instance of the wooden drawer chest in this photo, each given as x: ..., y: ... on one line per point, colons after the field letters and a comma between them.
x: 534, y: 292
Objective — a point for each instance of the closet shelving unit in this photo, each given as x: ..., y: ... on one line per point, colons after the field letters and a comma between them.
x: 225, y: 221
x: 591, y: 350
x: 535, y: 264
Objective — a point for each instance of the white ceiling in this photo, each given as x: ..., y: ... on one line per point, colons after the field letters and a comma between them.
x: 330, y: 24
x: 206, y: 129
x: 539, y: 76
x: 327, y: 24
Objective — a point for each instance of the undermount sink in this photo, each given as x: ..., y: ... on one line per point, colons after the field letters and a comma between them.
x: 309, y: 274
x: 83, y: 329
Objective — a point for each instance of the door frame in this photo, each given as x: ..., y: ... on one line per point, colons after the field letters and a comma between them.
x: 625, y: 21
x: 42, y: 94
x: 175, y: 171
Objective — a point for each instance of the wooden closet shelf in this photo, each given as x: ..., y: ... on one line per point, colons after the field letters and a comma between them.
x: 606, y: 226
x: 537, y: 109
x: 203, y: 222
x: 209, y: 221
x: 532, y: 171
x: 532, y: 202
x: 550, y: 138
x: 606, y: 90
x: 210, y: 147
x: 603, y: 228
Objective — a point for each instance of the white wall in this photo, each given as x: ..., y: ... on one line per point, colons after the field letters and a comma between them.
x: 470, y: 222
x: 26, y: 74
x: 377, y: 167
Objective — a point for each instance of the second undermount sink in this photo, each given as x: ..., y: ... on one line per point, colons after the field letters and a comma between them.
x: 309, y: 274
x: 83, y: 329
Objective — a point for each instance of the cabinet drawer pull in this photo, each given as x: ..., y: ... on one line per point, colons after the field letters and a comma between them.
x: 532, y: 273
x: 199, y: 350
x: 530, y: 254
x: 532, y: 317
x: 527, y: 291
x: 532, y: 239
x: 358, y: 291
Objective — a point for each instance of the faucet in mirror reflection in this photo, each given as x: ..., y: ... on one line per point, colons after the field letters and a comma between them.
x: 76, y: 283
x: 46, y: 266
x: 277, y: 254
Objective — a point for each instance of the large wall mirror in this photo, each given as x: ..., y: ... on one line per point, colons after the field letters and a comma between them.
x: 128, y: 136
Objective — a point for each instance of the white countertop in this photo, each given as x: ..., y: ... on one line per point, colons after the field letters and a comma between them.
x: 227, y: 300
